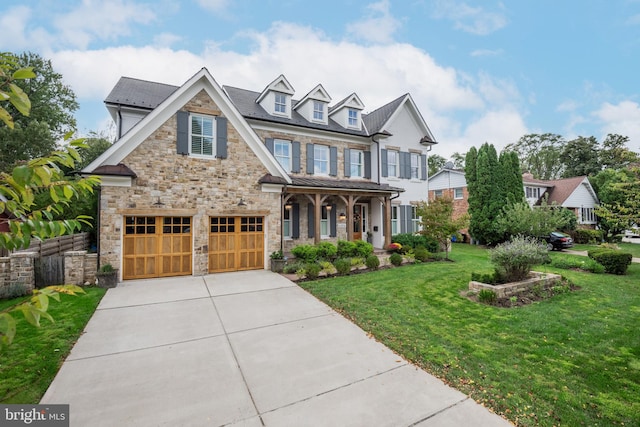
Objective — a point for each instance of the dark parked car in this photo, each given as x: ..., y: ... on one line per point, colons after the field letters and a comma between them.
x: 558, y: 241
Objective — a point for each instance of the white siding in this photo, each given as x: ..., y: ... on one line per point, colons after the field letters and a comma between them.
x: 447, y: 179
x: 581, y: 197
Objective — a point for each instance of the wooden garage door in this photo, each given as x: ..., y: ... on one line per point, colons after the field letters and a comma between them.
x: 236, y: 243
x: 156, y: 247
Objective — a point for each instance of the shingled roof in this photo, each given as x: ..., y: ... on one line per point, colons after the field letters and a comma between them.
x: 297, y: 181
x: 139, y: 93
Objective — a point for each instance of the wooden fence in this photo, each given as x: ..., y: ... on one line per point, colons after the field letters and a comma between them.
x: 59, y: 245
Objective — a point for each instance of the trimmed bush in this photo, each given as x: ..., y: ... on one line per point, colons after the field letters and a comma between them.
x: 307, y: 253
x: 343, y: 266
x: 346, y: 249
x: 586, y: 264
x: 422, y: 254
x: 515, y: 258
x: 372, y: 262
x: 414, y: 241
x: 312, y: 270
x: 395, y: 259
x: 326, y: 250
x: 586, y: 236
x: 363, y: 249
x: 614, y: 262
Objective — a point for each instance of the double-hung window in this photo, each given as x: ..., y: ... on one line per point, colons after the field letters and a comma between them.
x: 457, y: 193
x: 353, y: 118
x: 415, y: 220
x: 415, y: 166
x: 286, y: 223
x: 282, y: 153
x: 202, y: 135
x: 394, y: 220
x: 392, y: 163
x: 357, y: 163
x: 318, y: 110
x: 324, y: 222
x: 437, y: 193
x: 320, y: 159
x: 280, y: 103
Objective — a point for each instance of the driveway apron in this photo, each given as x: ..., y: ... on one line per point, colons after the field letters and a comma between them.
x: 243, y: 349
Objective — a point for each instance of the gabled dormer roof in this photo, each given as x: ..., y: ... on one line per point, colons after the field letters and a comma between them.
x: 318, y: 93
x: 378, y: 120
x: 280, y: 84
x: 351, y: 101
x: 201, y: 81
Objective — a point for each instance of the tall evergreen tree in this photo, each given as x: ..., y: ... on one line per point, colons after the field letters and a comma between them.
x: 471, y: 176
x: 511, y: 178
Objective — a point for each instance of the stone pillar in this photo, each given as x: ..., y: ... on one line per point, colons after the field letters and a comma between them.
x: 5, y: 272
x: 90, y: 268
x: 22, y: 265
x: 74, y: 267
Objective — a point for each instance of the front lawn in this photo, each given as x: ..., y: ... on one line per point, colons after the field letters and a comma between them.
x: 28, y: 366
x: 570, y: 360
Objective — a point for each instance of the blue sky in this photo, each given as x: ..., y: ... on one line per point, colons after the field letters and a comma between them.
x: 480, y: 71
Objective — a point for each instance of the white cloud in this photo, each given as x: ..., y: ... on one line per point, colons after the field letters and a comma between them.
x: 487, y: 52
x: 378, y: 27
x: 567, y: 106
x: 213, y: 5
x: 166, y: 39
x: 623, y: 119
x: 474, y: 20
x: 102, y: 20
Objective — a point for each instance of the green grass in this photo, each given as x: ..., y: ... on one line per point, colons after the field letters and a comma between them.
x: 570, y: 360
x: 632, y: 248
x: 28, y: 366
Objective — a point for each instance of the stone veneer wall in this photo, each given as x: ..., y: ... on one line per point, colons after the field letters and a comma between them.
x: 188, y: 186
x: 80, y: 267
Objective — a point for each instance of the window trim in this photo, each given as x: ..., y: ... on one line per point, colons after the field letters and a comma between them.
x: 324, y: 212
x: 287, y: 223
x: 213, y: 136
x: 282, y: 142
x: 415, y: 219
x: 353, y: 122
x: 317, y: 160
x: 455, y: 195
x: 318, y: 114
x: 280, y: 103
x: 415, y: 156
x: 395, y: 222
x: 396, y: 164
x: 360, y: 173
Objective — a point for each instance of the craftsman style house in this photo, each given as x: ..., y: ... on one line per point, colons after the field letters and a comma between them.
x: 205, y: 178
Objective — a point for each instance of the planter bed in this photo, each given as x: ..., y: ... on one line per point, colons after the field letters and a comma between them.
x: 507, y: 290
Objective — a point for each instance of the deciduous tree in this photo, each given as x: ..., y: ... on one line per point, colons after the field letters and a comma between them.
x: 438, y: 223
x: 539, y: 154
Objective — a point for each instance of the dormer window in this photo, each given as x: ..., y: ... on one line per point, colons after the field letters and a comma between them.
x: 353, y: 118
x: 318, y: 110
x: 280, y: 103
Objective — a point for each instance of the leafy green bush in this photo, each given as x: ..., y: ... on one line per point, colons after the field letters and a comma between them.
x: 614, y: 262
x: 363, y: 249
x: 514, y: 259
x: 372, y: 262
x: 293, y: 267
x: 327, y: 267
x: 14, y: 290
x: 312, y: 270
x: 343, y: 266
x: 356, y: 261
x: 422, y: 254
x: 326, y: 250
x: 306, y: 252
x: 346, y: 249
x: 586, y: 236
x: 488, y: 278
x: 395, y: 259
x: 414, y: 241
x: 487, y: 296
x: 586, y: 264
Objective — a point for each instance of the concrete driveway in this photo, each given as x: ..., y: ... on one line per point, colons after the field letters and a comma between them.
x: 243, y: 349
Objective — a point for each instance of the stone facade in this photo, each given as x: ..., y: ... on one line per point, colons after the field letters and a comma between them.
x: 80, y: 267
x: 188, y: 186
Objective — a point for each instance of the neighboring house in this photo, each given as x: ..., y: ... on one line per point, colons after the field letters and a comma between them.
x: 575, y: 194
x: 207, y: 179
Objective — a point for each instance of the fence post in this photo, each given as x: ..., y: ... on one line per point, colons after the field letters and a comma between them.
x: 74, y: 267
x: 22, y: 266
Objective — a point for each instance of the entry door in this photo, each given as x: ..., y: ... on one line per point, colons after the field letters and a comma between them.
x: 359, y: 220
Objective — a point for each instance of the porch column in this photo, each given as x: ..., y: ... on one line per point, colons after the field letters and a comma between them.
x: 387, y: 221
x: 317, y: 218
x: 350, y: 218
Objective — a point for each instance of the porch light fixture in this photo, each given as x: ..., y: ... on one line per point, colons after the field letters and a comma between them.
x: 158, y: 202
x: 342, y: 216
x: 288, y: 206
x: 242, y: 202
x: 328, y: 208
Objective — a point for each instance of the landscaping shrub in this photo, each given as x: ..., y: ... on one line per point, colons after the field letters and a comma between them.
x: 586, y: 236
x: 307, y: 253
x: 614, y: 262
x: 488, y: 297
x: 346, y: 249
x: 363, y: 249
x: 494, y: 278
x: 372, y: 262
x: 395, y: 259
x: 326, y: 250
x: 514, y: 259
x: 414, y: 241
x: 586, y: 264
x: 343, y: 266
x: 327, y: 267
x: 14, y: 290
x: 312, y: 270
x: 422, y: 254
x: 356, y: 262
x: 293, y: 267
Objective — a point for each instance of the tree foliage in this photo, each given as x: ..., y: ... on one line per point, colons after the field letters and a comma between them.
x: 580, y: 157
x: 520, y: 219
x: 438, y: 223
x: 621, y: 210
x: 435, y: 163
x: 52, y: 104
x: 539, y: 154
x: 458, y: 160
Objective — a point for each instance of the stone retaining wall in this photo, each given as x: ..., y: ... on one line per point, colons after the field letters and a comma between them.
x: 509, y: 289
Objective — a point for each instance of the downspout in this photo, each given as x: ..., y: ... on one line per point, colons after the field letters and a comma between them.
x: 119, y: 121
